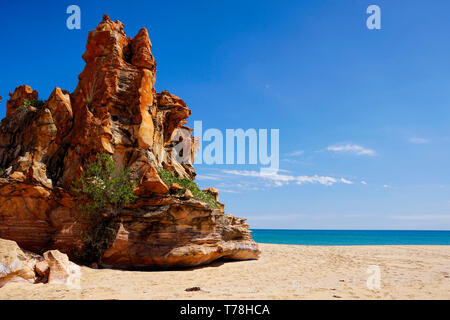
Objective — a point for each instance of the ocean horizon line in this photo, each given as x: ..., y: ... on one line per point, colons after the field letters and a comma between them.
x: 283, y: 229
x: 351, y: 237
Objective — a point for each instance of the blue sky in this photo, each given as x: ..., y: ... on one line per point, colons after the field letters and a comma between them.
x: 368, y: 108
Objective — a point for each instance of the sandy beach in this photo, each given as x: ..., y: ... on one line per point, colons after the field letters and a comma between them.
x: 282, y: 272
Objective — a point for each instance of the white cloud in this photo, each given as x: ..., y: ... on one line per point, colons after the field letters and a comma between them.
x: 282, y: 179
x: 363, y: 182
x: 419, y: 140
x: 343, y: 180
x: 386, y: 186
x: 352, y: 148
x: 327, y: 181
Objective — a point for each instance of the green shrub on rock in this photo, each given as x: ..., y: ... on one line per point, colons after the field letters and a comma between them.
x: 168, y: 178
x: 102, y: 190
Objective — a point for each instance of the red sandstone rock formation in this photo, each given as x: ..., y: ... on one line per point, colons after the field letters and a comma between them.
x: 114, y: 110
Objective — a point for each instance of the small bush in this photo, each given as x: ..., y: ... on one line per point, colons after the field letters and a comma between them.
x: 106, y: 187
x: 102, y: 190
x: 33, y: 103
x: 168, y: 178
x: 38, y: 104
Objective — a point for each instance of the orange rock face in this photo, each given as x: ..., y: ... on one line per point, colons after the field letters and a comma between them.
x: 17, y: 98
x: 114, y: 110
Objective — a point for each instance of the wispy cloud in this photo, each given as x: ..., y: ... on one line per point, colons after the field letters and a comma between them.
x: 282, y: 179
x: 352, y: 148
x: 422, y: 217
x: 419, y: 140
x: 228, y: 191
x: 293, y: 157
x: 343, y: 180
x: 363, y: 182
x: 207, y: 177
x: 295, y: 153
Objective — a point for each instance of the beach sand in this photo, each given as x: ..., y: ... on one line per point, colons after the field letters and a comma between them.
x: 282, y: 272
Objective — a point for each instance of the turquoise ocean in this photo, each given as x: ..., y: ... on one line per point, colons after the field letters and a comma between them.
x: 352, y: 237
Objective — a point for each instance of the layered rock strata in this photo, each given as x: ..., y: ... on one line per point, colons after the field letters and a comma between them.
x: 116, y: 110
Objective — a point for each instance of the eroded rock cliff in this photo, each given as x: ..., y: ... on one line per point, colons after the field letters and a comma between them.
x: 116, y: 110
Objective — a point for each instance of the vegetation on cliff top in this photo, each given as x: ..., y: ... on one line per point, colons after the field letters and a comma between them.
x: 168, y: 178
x: 33, y: 103
x: 30, y: 103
